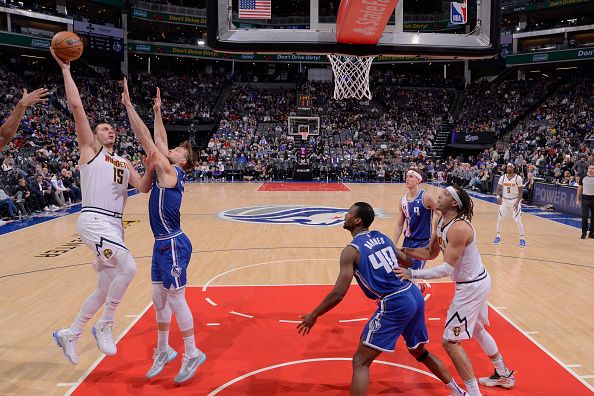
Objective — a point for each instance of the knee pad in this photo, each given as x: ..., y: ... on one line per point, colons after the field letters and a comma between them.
x: 423, y: 356
x: 159, y: 297
x: 179, y: 306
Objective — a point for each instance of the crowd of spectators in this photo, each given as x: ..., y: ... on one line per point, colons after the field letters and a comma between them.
x: 494, y: 106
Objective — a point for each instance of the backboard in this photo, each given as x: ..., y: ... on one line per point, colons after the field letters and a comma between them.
x: 424, y: 29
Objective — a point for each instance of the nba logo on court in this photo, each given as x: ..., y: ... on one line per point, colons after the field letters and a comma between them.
x: 458, y: 14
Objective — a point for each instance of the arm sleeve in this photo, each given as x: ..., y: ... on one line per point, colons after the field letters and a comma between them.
x: 439, y: 271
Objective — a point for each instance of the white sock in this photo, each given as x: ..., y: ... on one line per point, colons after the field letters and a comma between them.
x: 455, y: 389
x: 162, y: 340
x: 472, y: 387
x: 500, y: 366
x: 190, y: 346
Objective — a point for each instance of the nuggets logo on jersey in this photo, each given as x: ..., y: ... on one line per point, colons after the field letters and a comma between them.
x: 299, y: 215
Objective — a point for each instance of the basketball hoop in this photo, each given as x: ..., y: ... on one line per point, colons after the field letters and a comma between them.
x: 304, y: 135
x: 351, y: 76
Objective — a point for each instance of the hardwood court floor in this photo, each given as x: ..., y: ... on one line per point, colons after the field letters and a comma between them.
x: 545, y: 289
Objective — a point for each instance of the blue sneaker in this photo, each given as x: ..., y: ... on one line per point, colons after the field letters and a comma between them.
x: 496, y: 241
x: 522, y: 243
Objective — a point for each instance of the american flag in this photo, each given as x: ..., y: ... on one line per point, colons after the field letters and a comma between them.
x: 255, y: 9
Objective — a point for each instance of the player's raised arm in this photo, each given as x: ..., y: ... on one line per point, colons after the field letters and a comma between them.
x: 165, y: 173
x: 159, y: 127
x: 86, y: 140
x: 345, y: 277
x: 12, y: 122
x: 399, y: 225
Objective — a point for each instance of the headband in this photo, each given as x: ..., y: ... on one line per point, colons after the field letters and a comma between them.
x: 454, y: 195
x: 415, y: 174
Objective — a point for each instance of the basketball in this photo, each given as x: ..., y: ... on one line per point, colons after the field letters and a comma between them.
x: 67, y: 46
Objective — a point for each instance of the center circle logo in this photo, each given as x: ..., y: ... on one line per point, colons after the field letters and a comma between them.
x: 322, y: 216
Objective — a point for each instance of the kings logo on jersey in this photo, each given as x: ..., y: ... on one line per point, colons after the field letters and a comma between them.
x: 322, y: 216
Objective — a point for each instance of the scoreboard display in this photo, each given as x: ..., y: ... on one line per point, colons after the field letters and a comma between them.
x: 101, y: 40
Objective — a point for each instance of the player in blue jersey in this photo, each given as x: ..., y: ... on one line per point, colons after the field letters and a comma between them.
x: 172, y: 249
x: 371, y: 258
x: 416, y: 209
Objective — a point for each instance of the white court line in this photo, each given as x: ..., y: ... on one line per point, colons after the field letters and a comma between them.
x: 538, y: 344
x: 241, y: 314
x: 65, y: 384
x: 353, y: 320
x: 213, y: 324
x: 574, y: 365
x: 588, y: 376
x: 532, y: 332
x: 289, y: 321
x: 233, y: 381
x: 427, y: 296
x: 214, y: 304
x: 131, y: 316
x: 100, y: 358
x: 434, y: 318
x: 498, y: 307
x: 256, y: 265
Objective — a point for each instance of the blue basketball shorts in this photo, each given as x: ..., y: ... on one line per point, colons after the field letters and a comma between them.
x: 399, y: 313
x: 416, y: 243
x: 170, y: 261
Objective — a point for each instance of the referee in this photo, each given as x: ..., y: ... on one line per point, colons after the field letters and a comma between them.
x: 585, y: 196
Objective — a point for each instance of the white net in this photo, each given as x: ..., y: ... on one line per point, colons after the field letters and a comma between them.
x: 351, y: 76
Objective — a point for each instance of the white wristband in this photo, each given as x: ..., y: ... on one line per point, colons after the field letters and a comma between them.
x: 439, y: 271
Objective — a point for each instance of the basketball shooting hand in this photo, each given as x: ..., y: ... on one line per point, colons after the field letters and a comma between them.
x: 403, y: 273
x: 64, y: 65
x: 37, y: 96
x: 157, y: 103
x: 126, y: 95
x: 308, y: 321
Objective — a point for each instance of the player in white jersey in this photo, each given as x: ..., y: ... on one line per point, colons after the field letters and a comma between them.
x: 104, y: 180
x: 468, y: 312
x: 511, y: 188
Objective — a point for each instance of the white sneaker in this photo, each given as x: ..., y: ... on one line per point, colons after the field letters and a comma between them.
x: 67, y: 339
x: 2, y: 222
x: 160, y: 359
x: 189, y: 367
x: 104, y: 338
x: 506, y: 382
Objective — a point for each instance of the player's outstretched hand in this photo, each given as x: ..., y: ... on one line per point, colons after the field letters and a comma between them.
x: 157, y: 103
x: 308, y: 321
x: 126, y: 101
x: 403, y: 273
x: 64, y: 65
x: 37, y: 96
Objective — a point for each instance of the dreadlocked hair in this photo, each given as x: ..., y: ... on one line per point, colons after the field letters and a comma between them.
x: 466, y: 210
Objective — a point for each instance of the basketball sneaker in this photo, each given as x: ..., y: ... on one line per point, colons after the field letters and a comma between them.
x: 506, y: 382
x: 67, y: 339
x: 497, y: 241
x: 522, y: 243
x: 104, y: 338
x: 189, y: 367
x: 160, y: 359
